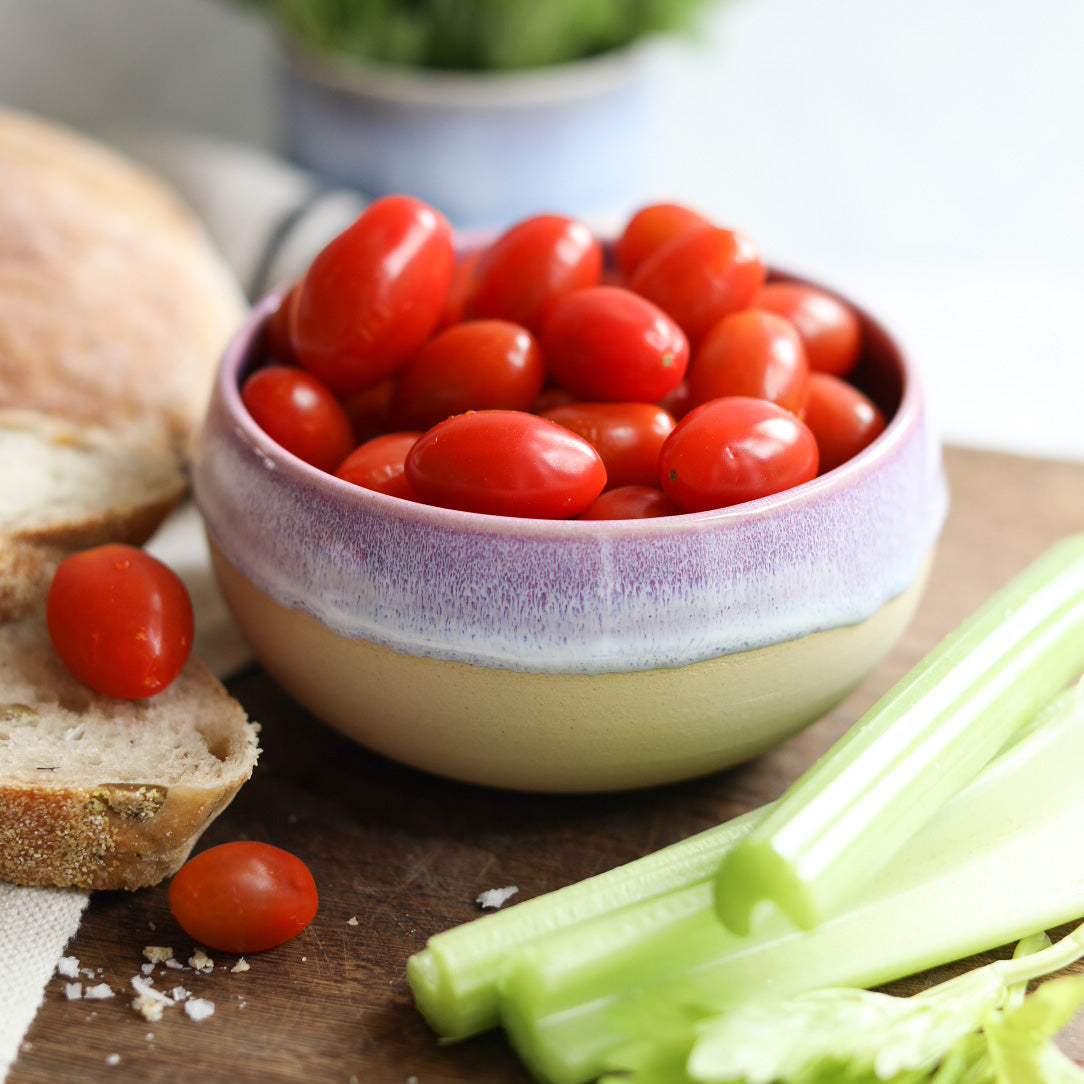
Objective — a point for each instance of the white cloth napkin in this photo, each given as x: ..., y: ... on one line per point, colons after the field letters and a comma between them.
x: 268, y: 220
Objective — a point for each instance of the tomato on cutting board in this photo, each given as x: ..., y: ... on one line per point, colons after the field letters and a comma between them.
x: 244, y: 896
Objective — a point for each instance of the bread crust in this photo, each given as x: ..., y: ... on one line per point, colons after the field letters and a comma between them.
x: 95, y: 819
x: 114, y: 305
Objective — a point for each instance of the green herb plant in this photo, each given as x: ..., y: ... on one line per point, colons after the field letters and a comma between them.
x: 476, y: 35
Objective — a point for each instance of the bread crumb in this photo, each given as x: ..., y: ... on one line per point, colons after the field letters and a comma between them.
x: 241, y: 965
x: 179, y: 993
x: 158, y: 954
x: 493, y: 899
x: 73, y: 991
x: 99, y: 991
x: 68, y: 966
x: 199, y: 1008
x: 112, y: 1059
x: 150, y: 1008
x: 352, y: 921
x: 200, y: 961
x: 146, y: 968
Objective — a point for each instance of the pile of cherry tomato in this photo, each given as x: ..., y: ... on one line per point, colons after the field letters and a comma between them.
x: 540, y: 376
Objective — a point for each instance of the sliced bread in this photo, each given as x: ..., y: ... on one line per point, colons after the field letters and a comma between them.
x: 103, y: 793
x: 114, y: 304
x: 65, y: 486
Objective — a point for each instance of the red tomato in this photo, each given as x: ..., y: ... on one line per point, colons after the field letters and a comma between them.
x: 530, y: 264
x: 752, y: 352
x: 700, y: 276
x: 374, y: 293
x: 606, y: 342
x: 475, y: 365
x: 630, y: 502
x: 278, y: 344
x: 297, y: 411
x: 461, y: 289
x: 678, y: 403
x: 369, y: 410
x: 380, y: 464
x: 120, y: 620
x: 506, y: 463
x: 243, y: 897
x: 650, y: 228
x: 732, y: 450
x: 828, y: 327
x: 842, y: 419
x: 628, y: 437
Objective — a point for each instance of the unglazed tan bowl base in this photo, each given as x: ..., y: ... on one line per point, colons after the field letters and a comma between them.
x: 560, y: 732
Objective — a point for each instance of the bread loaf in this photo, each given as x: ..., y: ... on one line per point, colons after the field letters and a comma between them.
x: 114, y: 306
x: 104, y: 793
x: 65, y: 486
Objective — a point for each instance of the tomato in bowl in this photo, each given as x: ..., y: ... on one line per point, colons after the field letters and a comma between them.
x: 551, y: 653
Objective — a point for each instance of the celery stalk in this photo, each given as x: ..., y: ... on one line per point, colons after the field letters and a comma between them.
x: 454, y: 978
x: 997, y: 862
x: 849, y: 814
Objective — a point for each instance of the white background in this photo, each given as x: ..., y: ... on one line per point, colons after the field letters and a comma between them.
x: 925, y: 156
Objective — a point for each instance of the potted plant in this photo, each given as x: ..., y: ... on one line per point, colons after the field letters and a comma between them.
x: 490, y: 109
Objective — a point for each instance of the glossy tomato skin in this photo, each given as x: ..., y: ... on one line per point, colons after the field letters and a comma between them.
x: 297, y: 411
x: 277, y: 343
x: 701, y: 276
x: 374, y: 293
x: 506, y: 463
x: 530, y: 264
x: 829, y: 327
x: 842, y: 418
x: 369, y: 410
x: 242, y: 897
x: 380, y: 464
x: 473, y: 365
x: 605, y: 342
x: 120, y: 620
x: 631, y: 502
x: 728, y: 451
x: 649, y: 229
x: 752, y: 352
x: 628, y: 436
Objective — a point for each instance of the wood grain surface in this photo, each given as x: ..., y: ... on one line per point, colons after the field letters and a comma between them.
x: 406, y: 854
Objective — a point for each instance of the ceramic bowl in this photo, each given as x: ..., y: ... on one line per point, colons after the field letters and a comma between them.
x: 570, y: 656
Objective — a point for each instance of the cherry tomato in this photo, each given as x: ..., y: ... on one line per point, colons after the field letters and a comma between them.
x: 678, y: 403
x: 752, y: 352
x: 842, y: 419
x: 242, y: 897
x: 628, y: 437
x: 650, y: 228
x: 475, y: 365
x: 120, y: 620
x: 369, y: 410
x: 732, y: 450
x: 374, y: 293
x: 700, y: 276
x: 506, y: 463
x: 278, y: 343
x: 461, y: 288
x: 630, y: 502
x: 530, y: 264
x: 606, y: 342
x: 828, y: 327
x: 297, y: 411
x: 380, y: 463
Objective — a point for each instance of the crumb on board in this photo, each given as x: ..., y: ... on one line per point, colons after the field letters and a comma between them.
x: 200, y: 961
x: 112, y: 1059
x: 352, y: 921
x: 199, y: 1008
x: 493, y: 899
x: 241, y: 965
x: 68, y: 966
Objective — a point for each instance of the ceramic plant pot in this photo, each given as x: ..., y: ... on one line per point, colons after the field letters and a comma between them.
x: 487, y: 149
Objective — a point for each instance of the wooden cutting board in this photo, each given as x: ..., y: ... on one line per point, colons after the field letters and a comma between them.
x: 399, y: 855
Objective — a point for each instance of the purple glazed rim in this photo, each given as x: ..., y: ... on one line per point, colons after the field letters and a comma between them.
x: 574, y: 596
